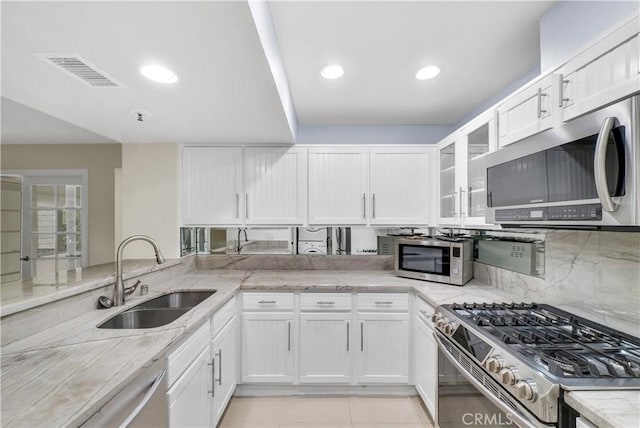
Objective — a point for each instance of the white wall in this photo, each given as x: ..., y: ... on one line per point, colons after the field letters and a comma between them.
x: 569, y: 25
x: 373, y: 134
x: 150, y: 198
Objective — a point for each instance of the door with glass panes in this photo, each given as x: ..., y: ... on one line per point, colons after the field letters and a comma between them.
x: 54, y: 233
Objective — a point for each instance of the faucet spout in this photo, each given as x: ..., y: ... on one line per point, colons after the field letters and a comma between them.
x: 119, y: 290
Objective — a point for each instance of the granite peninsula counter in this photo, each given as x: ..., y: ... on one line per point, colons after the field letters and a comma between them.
x: 62, y: 375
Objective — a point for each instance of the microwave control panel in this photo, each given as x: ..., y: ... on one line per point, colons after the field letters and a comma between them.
x: 559, y: 213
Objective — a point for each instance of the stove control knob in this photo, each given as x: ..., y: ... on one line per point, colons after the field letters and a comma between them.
x: 442, y: 321
x: 526, y: 390
x: 509, y: 375
x: 435, y: 317
x: 449, y: 328
x: 495, y: 363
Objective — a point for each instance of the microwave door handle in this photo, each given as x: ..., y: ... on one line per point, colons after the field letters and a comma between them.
x: 519, y: 419
x: 600, y: 167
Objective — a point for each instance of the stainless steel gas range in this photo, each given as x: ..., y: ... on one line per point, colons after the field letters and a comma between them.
x: 509, y: 364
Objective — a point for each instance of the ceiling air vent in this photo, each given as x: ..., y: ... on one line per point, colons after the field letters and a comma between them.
x: 80, y: 68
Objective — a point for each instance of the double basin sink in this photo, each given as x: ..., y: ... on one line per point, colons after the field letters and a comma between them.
x: 157, y: 312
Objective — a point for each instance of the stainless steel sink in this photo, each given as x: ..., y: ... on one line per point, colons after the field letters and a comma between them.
x: 177, y: 299
x: 157, y: 312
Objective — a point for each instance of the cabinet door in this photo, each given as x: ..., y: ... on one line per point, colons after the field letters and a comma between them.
x: 606, y: 72
x: 224, y: 357
x: 275, y: 185
x: 528, y: 112
x: 449, y: 188
x: 338, y: 186
x: 399, y: 179
x: 325, y: 347
x: 267, y: 347
x: 426, y: 365
x: 383, y: 348
x: 189, y: 397
x: 211, y: 185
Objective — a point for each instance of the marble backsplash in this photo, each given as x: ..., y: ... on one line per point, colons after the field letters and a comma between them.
x: 293, y: 262
x: 600, y: 270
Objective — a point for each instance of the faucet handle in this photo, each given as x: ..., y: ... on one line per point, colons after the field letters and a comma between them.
x: 129, y: 290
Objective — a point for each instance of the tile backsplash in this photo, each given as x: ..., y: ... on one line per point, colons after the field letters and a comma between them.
x: 595, y: 269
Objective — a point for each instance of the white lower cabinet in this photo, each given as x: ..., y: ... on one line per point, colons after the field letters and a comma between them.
x: 267, y: 347
x: 190, y: 381
x: 383, y: 348
x: 224, y: 357
x: 425, y: 362
x: 326, y: 347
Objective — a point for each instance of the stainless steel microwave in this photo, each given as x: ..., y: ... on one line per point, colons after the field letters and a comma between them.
x: 583, y: 173
x: 431, y: 259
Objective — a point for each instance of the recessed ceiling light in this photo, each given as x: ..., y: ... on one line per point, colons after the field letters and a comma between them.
x: 159, y: 73
x: 332, y: 71
x: 428, y: 72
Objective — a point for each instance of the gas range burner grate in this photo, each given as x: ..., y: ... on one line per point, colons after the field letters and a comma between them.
x: 563, y: 344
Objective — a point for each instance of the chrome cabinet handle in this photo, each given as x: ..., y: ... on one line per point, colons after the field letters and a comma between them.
x: 237, y: 205
x: 289, y: 336
x: 364, y: 205
x: 246, y: 205
x: 461, y: 200
x: 540, y: 95
x: 347, y: 336
x: 361, y: 336
x: 600, y: 166
x: 561, y: 97
x: 213, y: 377
x: 266, y: 302
x: 219, y: 354
x: 455, y: 212
x: 326, y: 303
x: 388, y: 302
x: 152, y: 390
x: 373, y: 205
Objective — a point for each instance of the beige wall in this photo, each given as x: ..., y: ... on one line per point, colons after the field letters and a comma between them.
x: 100, y: 160
x: 150, y: 198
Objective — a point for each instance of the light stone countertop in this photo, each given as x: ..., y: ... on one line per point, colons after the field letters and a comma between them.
x: 607, y: 409
x: 61, y: 376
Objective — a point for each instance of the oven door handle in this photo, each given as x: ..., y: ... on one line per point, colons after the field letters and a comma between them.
x: 517, y: 418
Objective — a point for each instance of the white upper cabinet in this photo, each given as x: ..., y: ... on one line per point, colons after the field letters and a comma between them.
x: 528, y: 112
x: 605, y: 72
x: 211, y: 185
x: 338, y: 185
x: 450, y: 181
x: 275, y: 185
x: 398, y: 185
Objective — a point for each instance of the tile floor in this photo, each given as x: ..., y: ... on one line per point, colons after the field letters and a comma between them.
x: 325, y: 412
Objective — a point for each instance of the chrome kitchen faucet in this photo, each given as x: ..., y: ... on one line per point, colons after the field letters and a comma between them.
x: 119, y: 290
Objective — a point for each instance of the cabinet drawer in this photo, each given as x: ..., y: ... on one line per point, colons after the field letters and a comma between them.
x: 179, y: 359
x: 222, y: 316
x: 267, y: 301
x: 325, y: 301
x: 383, y: 302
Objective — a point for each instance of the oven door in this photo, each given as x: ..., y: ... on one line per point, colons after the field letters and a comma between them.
x: 466, y: 399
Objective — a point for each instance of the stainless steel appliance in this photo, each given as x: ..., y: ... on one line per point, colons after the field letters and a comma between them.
x: 519, y: 256
x: 583, y: 173
x: 509, y: 364
x: 448, y: 260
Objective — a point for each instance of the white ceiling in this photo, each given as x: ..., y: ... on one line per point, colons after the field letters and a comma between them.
x: 227, y: 92
x: 480, y: 47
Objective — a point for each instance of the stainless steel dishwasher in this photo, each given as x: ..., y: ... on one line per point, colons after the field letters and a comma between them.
x: 142, y: 403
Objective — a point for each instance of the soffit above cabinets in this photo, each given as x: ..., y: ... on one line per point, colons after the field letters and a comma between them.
x: 226, y: 93
x: 481, y: 47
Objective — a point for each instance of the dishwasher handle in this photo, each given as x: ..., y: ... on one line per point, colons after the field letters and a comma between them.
x: 152, y: 390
